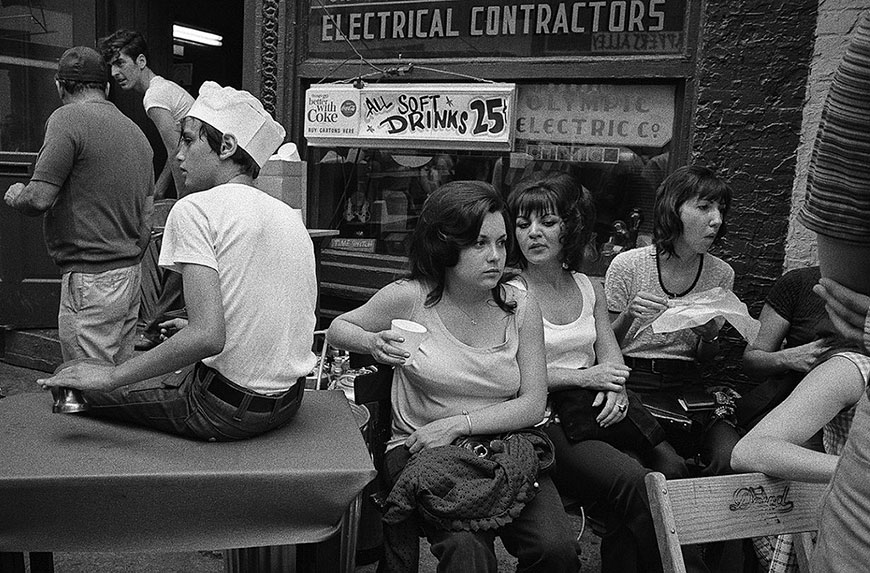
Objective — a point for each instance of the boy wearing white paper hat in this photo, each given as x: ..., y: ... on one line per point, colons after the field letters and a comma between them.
x: 237, y: 368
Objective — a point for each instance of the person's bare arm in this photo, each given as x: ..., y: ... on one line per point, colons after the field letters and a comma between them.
x: 32, y: 199
x: 766, y: 357
x: 366, y: 329
x: 775, y: 445
x: 169, y: 135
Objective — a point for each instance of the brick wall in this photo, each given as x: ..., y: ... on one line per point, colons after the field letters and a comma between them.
x: 753, y: 67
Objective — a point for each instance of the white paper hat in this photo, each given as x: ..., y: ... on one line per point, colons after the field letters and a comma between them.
x: 240, y: 114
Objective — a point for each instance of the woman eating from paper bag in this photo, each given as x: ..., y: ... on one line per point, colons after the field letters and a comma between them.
x: 641, y: 284
x: 479, y: 371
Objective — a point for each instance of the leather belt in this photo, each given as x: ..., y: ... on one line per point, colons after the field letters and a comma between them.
x: 225, y: 390
x: 659, y: 365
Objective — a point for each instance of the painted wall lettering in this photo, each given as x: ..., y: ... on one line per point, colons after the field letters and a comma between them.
x: 596, y: 114
x: 596, y: 26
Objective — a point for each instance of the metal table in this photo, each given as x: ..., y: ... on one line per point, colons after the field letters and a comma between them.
x: 70, y: 483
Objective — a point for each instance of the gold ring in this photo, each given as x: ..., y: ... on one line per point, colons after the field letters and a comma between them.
x: 622, y: 407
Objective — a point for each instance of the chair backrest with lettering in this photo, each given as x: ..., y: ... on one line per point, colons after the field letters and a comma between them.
x: 700, y: 510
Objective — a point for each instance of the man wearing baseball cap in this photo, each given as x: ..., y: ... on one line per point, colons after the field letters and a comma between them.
x: 237, y: 368
x: 93, y: 182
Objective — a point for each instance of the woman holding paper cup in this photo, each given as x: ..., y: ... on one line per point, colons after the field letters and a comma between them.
x: 479, y: 369
x: 688, y: 218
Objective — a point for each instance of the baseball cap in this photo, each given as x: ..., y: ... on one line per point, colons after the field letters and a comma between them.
x: 82, y: 64
x: 238, y: 113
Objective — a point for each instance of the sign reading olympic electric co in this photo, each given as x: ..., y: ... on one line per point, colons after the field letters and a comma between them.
x: 434, y: 116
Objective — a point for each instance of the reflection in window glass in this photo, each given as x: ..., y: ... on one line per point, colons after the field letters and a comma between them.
x: 33, y: 35
x: 374, y: 196
x: 623, y: 188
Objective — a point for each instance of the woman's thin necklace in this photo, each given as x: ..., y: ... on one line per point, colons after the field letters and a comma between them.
x: 691, y: 286
x: 463, y: 311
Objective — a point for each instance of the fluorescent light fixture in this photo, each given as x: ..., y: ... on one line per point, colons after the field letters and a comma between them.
x: 194, y: 36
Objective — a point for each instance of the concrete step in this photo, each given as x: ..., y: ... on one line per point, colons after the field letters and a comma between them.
x: 38, y: 349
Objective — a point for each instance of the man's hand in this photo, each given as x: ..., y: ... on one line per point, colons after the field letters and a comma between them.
x: 12, y: 193
x: 847, y: 309
x: 803, y: 358
x: 84, y: 376
x: 32, y: 199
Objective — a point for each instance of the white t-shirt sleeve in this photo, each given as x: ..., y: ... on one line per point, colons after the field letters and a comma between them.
x: 163, y: 94
x: 617, y: 283
x: 187, y: 238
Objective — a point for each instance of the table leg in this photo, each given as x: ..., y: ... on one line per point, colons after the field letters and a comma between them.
x: 41, y: 562
x: 273, y: 559
x: 11, y: 562
x: 349, y: 532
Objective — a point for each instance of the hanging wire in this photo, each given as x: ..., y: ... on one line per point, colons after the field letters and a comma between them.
x: 346, y: 39
x: 457, y: 74
x: 398, y: 70
x: 332, y: 71
x: 403, y: 69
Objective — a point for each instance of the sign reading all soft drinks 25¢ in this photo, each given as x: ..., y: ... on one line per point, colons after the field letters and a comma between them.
x: 434, y: 116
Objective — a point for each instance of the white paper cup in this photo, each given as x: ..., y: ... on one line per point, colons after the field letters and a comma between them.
x: 412, y: 332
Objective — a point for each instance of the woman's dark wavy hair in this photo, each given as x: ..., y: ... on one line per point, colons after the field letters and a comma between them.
x: 559, y: 193
x: 214, y: 138
x: 450, y: 222
x: 680, y: 186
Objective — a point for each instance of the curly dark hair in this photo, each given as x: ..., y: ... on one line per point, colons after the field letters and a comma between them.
x: 123, y: 41
x: 560, y: 194
x: 450, y: 222
x: 686, y: 183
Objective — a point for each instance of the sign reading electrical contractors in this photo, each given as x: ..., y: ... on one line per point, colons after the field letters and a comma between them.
x: 596, y: 114
x: 495, y: 28
x: 433, y: 116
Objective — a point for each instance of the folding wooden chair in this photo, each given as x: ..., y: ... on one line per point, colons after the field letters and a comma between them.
x: 701, y: 510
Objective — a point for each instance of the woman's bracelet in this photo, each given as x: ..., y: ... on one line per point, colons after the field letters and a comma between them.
x: 468, y: 421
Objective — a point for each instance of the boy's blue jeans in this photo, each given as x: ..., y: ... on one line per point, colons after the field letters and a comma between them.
x: 184, y: 403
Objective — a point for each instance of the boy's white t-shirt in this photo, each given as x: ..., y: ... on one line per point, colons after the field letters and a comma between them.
x: 265, y: 262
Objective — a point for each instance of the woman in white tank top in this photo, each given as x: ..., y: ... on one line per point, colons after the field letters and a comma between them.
x: 596, y: 420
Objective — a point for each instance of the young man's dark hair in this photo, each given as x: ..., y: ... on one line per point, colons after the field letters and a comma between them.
x: 125, y: 41
x: 240, y: 157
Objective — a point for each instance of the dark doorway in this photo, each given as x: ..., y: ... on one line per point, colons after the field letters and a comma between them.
x: 33, y: 34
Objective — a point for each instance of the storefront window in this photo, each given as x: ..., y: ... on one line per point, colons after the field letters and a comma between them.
x: 33, y: 35
x: 614, y: 139
x: 374, y: 196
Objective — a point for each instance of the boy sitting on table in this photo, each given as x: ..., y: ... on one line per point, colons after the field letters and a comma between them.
x: 237, y: 368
